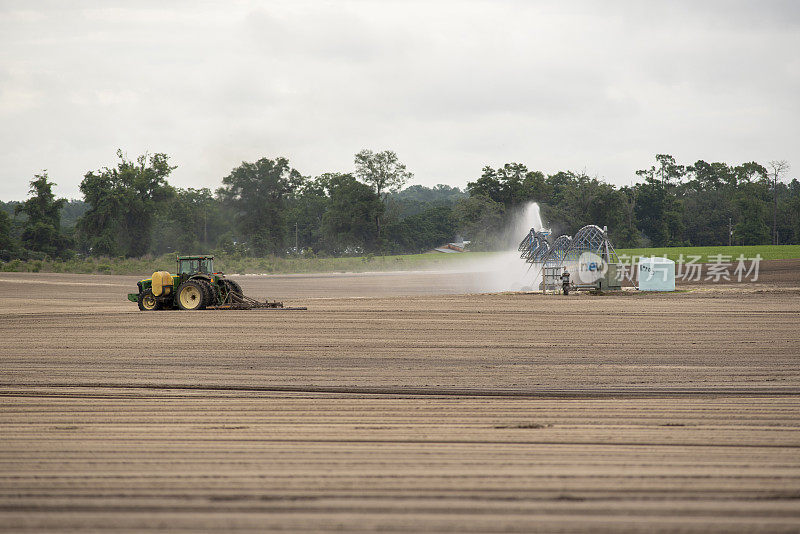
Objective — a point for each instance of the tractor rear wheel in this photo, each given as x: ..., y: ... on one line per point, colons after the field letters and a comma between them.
x: 147, y: 302
x: 209, y: 299
x: 191, y: 296
x: 233, y: 287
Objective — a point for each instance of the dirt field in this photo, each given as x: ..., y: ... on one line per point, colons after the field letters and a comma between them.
x: 397, y: 404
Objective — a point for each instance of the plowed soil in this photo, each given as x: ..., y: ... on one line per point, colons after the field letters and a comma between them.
x: 398, y: 402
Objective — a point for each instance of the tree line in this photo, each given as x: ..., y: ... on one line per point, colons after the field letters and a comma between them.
x: 268, y: 207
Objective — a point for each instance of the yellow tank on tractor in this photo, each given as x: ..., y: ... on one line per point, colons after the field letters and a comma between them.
x: 195, y: 286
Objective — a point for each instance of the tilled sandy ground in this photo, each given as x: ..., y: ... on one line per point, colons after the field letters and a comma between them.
x: 393, y: 404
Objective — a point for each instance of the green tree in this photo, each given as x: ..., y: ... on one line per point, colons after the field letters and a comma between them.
x: 510, y: 185
x: 651, y: 210
x: 423, y: 231
x: 9, y: 207
x: 480, y: 220
x: 257, y: 194
x: 752, y: 205
x: 710, y: 176
x: 7, y: 243
x: 42, y: 228
x: 658, y: 209
x: 440, y: 194
x: 777, y: 169
x: 417, y: 199
x: 750, y: 172
x: 707, y: 216
x: 71, y: 212
x: 305, y: 211
x: 793, y: 208
x: 124, y: 202
x: 488, y: 186
x: 347, y: 224
x: 384, y: 173
x: 668, y: 170
x: 190, y: 222
x: 611, y: 208
x: 628, y: 235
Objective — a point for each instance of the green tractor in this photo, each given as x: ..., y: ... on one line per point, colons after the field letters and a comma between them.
x: 195, y: 287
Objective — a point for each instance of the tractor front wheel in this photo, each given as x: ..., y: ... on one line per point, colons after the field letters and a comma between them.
x: 147, y: 302
x: 191, y: 296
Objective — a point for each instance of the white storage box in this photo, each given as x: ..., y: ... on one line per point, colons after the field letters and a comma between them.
x: 656, y: 274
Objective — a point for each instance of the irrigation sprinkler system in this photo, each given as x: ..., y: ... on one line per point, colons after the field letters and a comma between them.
x: 570, y: 253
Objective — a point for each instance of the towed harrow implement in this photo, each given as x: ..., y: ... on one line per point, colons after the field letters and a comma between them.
x: 241, y: 302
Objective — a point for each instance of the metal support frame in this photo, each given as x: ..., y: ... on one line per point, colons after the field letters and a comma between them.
x: 556, y: 254
x: 551, y: 279
x: 590, y: 238
x: 534, y: 246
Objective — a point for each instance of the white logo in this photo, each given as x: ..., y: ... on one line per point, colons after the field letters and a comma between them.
x: 591, y: 268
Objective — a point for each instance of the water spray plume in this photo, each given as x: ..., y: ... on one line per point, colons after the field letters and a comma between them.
x: 530, y: 218
x: 505, y: 271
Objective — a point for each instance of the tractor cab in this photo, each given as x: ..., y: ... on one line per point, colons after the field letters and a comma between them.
x: 189, y: 265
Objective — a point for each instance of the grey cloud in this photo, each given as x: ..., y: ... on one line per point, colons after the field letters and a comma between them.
x: 451, y: 86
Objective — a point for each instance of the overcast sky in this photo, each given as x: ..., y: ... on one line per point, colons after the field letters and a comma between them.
x: 450, y: 86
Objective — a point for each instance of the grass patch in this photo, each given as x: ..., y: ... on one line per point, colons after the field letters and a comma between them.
x: 767, y: 252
